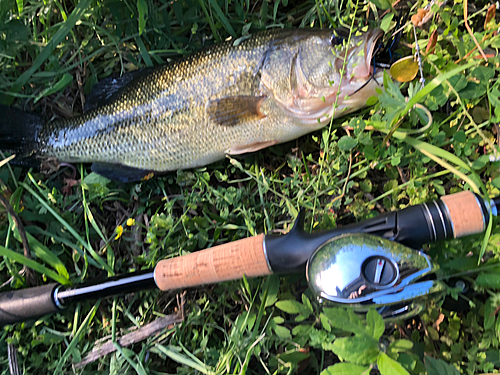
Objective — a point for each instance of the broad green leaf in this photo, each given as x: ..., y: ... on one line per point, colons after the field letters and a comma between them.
x: 282, y: 332
x: 293, y: 356
x: 480, y: 162
x: 374, y: 324
x: 301, y: 330
x: 381, y: 4
x: 317, y: 337
x: 325, y: 324
x: 346, y: 320
x: 366, y: 185
x: 488, y: 280
x: 306, y: 303
x: 460, y: 136
x: 47, y: 339
x: 439, y: 367
x: 386, y: 21
x: 483, y: 74
x: 94, y: 179
x: 388, y: 366
x: 399, y: 111
x: 462, y: 263
x: 293, y: 307
x: 272, y: 294
x: 345, y: 369
x: 359, y: 349
x: 397, y: 347
x: 347, y: 143
x: 408, y: 361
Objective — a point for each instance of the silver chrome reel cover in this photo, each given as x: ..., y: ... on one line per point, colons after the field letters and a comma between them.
x: 362, y: 271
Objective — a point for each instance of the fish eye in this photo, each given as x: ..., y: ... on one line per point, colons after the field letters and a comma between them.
x: 336, y: 40
x: 339, y: 36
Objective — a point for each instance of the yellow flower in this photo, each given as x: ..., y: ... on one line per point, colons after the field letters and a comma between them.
x: 118, y: 231
x: 130, y: 221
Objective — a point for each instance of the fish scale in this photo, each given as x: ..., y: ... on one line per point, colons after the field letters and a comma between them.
x: 232, y: 98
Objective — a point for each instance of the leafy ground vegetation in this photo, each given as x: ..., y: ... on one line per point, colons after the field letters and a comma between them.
x: 81, y: 226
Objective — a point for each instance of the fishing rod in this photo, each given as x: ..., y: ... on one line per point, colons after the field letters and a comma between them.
x: 370, y: 263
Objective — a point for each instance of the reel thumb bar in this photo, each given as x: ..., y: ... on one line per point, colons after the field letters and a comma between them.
x: 452, y: 216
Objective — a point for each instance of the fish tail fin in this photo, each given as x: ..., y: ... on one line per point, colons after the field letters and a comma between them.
x: 19, y: 130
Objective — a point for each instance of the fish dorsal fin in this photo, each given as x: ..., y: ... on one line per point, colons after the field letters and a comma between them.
x: 118, y: 172
x: 233, y: 110
x: 252, y: 147
x: 104, y: 91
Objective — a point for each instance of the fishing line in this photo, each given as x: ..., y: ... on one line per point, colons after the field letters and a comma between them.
x: 327, y: 143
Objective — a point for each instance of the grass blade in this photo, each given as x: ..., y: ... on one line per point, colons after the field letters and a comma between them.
x: 79, y: 238
x: 72, y: 345
x: 210, y: 20
x: 12, y: 255
x: 65, y: 81
x: 439, y: 152
x: 47, y: 256
x: 181, y: 358
x: 64, y: 241
x: 144, y: 52
x: 5, y: 161
x: 64, y: 30
x: 222, y: 18
x: 426, y: 90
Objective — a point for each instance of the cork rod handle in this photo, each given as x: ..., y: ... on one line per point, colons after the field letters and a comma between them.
x: 220, y: 263
x: 465, y: 213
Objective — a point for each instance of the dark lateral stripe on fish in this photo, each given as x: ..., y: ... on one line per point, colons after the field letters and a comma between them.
x: 270, y: 88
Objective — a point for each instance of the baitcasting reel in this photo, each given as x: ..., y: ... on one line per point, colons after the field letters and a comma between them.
x: 363, y: 271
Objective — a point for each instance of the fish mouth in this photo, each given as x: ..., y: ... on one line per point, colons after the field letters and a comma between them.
x: 367, y: 67
x: 361, y: 83
x: 373, y: 47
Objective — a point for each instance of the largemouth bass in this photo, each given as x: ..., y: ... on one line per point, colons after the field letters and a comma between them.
x: 233, y: 98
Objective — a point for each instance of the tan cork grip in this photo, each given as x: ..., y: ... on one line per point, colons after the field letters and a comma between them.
x: 220, y: 263
x: 465, y: 213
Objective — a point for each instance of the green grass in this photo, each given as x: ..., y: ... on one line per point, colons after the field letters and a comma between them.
x: 52, y: 53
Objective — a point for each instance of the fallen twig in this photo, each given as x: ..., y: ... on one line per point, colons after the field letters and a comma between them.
x: 130, y: 338
x: 471, y: 33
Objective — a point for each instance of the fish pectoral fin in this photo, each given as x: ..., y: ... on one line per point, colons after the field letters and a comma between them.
x: 233, y: 110
x: 252, y: 147
x: 118, y: 172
